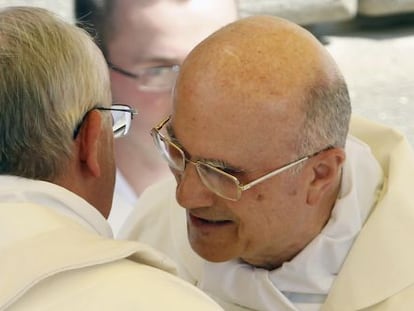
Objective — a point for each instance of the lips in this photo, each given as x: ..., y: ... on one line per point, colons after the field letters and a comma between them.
x: 205, y: 222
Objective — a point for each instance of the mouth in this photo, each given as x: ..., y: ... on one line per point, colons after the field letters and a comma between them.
x: 204, y: 222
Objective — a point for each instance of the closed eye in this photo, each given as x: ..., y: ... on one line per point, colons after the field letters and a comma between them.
x: 223, y: 166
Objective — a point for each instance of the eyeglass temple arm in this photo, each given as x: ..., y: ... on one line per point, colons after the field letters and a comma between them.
x: 130, y: 110
x: 162, y: 123
x: 284, y: 168
x: 271, y: 174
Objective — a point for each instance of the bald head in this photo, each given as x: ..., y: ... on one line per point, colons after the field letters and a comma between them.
x: 252, y: 98
x: 265, y: 68
x: 266, y: 52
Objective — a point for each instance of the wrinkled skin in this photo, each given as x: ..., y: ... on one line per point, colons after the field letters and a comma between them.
x: 239, y: 100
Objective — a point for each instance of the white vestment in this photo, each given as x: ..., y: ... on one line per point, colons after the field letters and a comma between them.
x: 324, y: 275
x: 57, y: 253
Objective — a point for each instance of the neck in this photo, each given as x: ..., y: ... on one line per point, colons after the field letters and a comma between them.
x: 88, y: 188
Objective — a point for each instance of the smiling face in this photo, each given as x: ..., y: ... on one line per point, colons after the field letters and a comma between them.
x: 238, y: 105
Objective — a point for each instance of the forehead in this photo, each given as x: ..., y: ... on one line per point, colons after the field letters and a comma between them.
x: 218, y: 115
x: 166, y: 28
x: 245, y: 88
x: 254, y: 135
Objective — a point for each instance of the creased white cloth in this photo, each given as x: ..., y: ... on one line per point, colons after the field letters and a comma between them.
x: 304, y: 282
x: 18, y: 189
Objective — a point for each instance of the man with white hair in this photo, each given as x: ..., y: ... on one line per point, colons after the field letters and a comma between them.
x: 57, y: 174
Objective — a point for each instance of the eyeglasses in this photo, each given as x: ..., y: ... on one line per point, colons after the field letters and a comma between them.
x: 151, y: 79
x: 216, y: 180
x: 122, y: 116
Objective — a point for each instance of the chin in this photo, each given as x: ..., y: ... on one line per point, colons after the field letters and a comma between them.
x: 212, y: 254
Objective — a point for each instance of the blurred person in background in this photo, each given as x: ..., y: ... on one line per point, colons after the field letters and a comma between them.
x: 144, y: 43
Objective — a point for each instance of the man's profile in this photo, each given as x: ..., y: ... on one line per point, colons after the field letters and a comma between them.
x: 57, y: 174
x: 284, y: 201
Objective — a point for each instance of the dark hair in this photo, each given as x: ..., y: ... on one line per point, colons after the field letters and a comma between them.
x: 95, y: 16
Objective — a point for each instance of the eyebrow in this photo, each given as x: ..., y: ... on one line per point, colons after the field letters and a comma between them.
x: 157, y: 61
x: 220, y: 164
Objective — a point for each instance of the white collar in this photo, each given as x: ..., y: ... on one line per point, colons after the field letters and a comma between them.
x: 125, y: 190
x: 19, y: 189
x: 305, y: 281
x: 123, y: 202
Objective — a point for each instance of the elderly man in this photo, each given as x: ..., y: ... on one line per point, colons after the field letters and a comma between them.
x: 57, y: 175
x: 144, y: 43
x: 283, y: 209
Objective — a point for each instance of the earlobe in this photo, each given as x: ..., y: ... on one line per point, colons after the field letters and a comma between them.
x: 326, y: 172
x: 88, y: 137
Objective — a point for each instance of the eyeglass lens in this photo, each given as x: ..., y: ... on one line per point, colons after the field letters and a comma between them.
x: 158, y: 78
x: 174, y: 156
x: 121, y: 121
x: 221, y: 184
x: 217, y: 182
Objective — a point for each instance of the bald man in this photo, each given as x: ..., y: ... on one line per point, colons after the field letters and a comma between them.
x: 144, y: 43
x: 279, y: 207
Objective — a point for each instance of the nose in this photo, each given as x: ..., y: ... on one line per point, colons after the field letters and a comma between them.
x: 191, y: 192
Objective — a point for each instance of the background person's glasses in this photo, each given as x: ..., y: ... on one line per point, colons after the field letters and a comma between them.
x: 216, y: 180
x: 151, y: 79
x: 122, y: 116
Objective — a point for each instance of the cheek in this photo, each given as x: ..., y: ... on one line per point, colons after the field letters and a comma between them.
x: 283, y: 192
x: 253, y: 223
x: 268, y: 210
x: 252, y: 218
x: 260, y: 231
x: 151, y: 102
x: 123, y: 89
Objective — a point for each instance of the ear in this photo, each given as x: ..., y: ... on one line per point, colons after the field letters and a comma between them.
x: 326, y: 170
x: 88, y: 144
